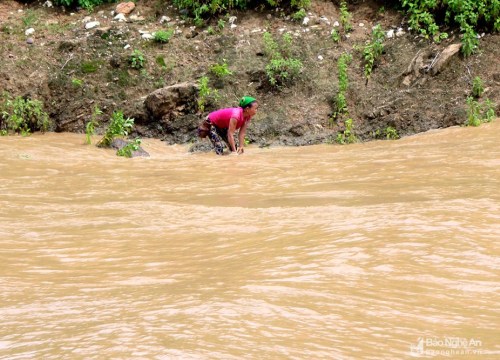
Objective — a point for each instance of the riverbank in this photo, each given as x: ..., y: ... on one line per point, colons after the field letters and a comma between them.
x: 73, y: 68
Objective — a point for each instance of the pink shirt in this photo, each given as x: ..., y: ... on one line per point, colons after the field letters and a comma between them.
x: 220, y: 118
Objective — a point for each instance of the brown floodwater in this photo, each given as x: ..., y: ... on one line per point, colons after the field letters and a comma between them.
x: 381, y: 250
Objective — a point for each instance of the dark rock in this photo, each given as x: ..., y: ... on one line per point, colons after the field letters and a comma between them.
x: 120, y: 144
x: 172, y: 101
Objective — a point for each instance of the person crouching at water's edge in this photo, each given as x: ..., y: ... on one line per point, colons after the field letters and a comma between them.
x: 225, y: 122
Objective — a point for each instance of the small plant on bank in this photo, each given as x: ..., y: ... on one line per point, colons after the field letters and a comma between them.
x: 391, y: 133
x: 299, y: 15
x: 23, y: 116
x: 221, y: 24
x: 477, y: 87
x: 128, y: 149
x: 345, y: 17
x: 205, y: 94
x: 282, y: 69
x: 479, y: 113
x: 335, y: 35
x: 340, y: 102
x: 163, y: 36
x: 118, y: 127
x: 30, y: 18
x: 137, y: 60
x: 76, y: 82
x: 91, y: 125
x: 373, y: 49
x: 220, y: 70
x: 347, y: 136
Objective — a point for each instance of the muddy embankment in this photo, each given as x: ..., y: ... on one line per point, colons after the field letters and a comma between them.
x: 73, y: 67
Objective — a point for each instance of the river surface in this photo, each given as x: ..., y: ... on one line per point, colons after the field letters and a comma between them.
x: 381, y: 250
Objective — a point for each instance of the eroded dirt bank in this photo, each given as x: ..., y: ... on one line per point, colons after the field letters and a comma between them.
x: 73, y: 69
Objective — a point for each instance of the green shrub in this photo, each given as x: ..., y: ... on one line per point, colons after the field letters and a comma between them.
x: 163, y: 36
x: 86, y: 4
x: 347, y: 136
x: 199, y: 9
x: 137, y: 60
x: 335, y: 35
x: 88, y: 67
x: 391, y: 133
x: 468, y: 14
x: 340, y: 102
x: 282, y: 69
x: 299, y: 15
x: 128, y: 149
x: 373, y: 49
x: 220, y: 70
x: 91, y: 125
x: 205, y: 93
x: 118, y: 127
x: 345, y: 17
x: 477, y: 87
x: 479, y: 113
x: 23, y: 116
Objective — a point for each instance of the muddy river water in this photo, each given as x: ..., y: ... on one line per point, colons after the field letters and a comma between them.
x: 381, y: 250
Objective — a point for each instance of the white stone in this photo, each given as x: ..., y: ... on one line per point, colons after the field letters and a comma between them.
x: 143, y: 32
x: 164, y: 19
x: 361, y: 25
x: 86, y: 19
x: 390, y: 34
x: 233, y: 26
x: 120, y: 17
x: 29, y: 31
x: 232, y: 19
x: 320, y: 58
x: 305, y: 21
x: 92, y: 25
x: 281, y: 30
x: 336, y: 24
x: 48, y: 4
x: 400, y: 32
x: 126, y: 47
x: 147, y: 36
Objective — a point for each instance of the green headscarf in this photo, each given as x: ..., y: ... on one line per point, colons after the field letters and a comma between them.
x: 245, y: 100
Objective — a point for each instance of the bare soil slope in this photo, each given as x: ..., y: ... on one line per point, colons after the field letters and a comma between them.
x: 72, y: 69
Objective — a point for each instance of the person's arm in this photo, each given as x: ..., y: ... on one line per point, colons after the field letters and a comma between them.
x: 230, y: 133
x: 241, y: 137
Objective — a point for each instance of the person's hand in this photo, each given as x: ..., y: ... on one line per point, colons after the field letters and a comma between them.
x: 240, y: 151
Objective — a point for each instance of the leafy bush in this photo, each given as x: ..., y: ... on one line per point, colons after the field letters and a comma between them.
x: 340, y: 102
x: 468, y: 14
x: 86, y: 4
x: 391, y: 133
x: 199, y: 9
x: 347, y: 136
x: 282, y: 69
x: 345, y: 17
x: 23, y: 115
x: 479, y: 113
x: 163, y: 36
x: 335, y: 35
x: 128, y: 149
x: 119, y: 126
x: 373, y: 49
x: 137, y: 60
x: 220, y: 70
x: 477, y: 87
x: 91, y: 125
x: 205, y: 94
x: 299, y: 15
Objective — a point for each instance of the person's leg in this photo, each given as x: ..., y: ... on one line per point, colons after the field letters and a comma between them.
x: 216, y: 140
